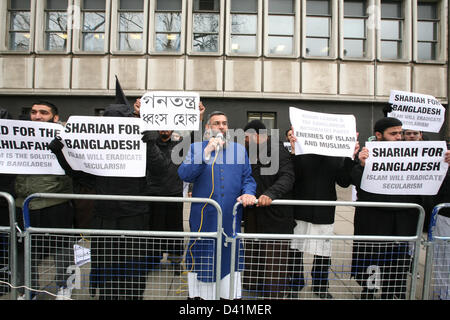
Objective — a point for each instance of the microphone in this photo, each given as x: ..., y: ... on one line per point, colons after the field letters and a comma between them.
x: 220, y: 136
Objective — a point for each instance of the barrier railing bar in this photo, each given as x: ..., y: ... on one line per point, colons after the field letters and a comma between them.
x: 13, y: 241
x: 416, y: 238
x: 140, y: 233
x: 26, y: 217
x: 430, y: 250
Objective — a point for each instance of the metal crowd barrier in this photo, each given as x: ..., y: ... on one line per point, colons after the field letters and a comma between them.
x: 437, y: 262
x: 132, y: 259
x: 164, y: 280
x: 8, y: 250
x: 269, y: 267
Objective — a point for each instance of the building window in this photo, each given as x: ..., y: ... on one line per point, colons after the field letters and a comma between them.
x: 268, y: 118
x: 206, y: 25
x: 355, y: 37
x: 93, y: 30
x: 281, y: 22
x: 427, y: 30
x: 244, y: 26
x: 131, y: 25
x: 56, y: 25
x: 318, y: 28
x: 392, y: 25
x: 19, y: 25
x: 168, y: 25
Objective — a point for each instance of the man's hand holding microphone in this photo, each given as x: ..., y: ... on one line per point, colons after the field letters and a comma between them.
x: 215, y: 144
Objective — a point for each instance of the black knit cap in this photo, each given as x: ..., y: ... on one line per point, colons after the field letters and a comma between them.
x: 256, y: 125
x: 385, y: 123
x: 118, y: 110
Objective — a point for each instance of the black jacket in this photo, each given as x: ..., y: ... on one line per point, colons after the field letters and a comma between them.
x: 162, y: 179
x: 316, y: 177
x: 274, y: 218
x: 111, y: 185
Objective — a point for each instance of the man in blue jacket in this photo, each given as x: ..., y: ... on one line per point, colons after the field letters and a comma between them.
x: 219, y: 169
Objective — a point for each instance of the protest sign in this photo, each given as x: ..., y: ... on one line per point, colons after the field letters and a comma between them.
x: 24, y: 147
x: 404, y: 167
x: 166, y: 110
x: 323, y: 133
x: 417, y: 111
x: 105, y: 146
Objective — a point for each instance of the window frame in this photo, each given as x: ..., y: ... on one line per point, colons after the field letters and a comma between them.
x: 260, y: 117
x: 190, y: 39
x: 296, y: 32
x: 333, y: 40
x: 5, y: 29
x: 152, y: 31
x: 41, y: 28
x: 228, y: 34
x: 77, y: 32
x: 406, y: 34
x: 370, y: 27
x: 115, y: 29
x: 441, y: 52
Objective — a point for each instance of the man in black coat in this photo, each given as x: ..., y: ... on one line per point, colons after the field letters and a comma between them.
x: 119, y: 265
x: 266, y: 262
x: 316, y: 177
x: 164, y: 216
x: 383, y: 265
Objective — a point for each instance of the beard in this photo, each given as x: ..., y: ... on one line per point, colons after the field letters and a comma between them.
x: 165, y: 136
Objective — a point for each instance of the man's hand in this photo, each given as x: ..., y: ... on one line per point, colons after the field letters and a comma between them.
x: 202, y: 110
x: 56, y: 145
x: 292, y: 140
x: 357, y: 146
x: 363, y: 155
x: 137, y: 108
x: 264, y: 201
x: 447, y: 157
x: 247, y: 200
x: 212, y: 145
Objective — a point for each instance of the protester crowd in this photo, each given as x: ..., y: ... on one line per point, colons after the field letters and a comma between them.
x: 211, y: 173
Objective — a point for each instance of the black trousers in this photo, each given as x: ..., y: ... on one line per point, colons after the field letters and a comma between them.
x: 119, y: 265
x: 266, y: 267
x: 319, y: 271
x: 167, y: 216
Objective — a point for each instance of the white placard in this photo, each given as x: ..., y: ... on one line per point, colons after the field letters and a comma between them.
x: 404, y: 167
x: 323, y: 133
x: 24, y: 147
x: 170, y: 110
x: 417, y: 111
x: 105, y: 146
x: 81, y: 255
